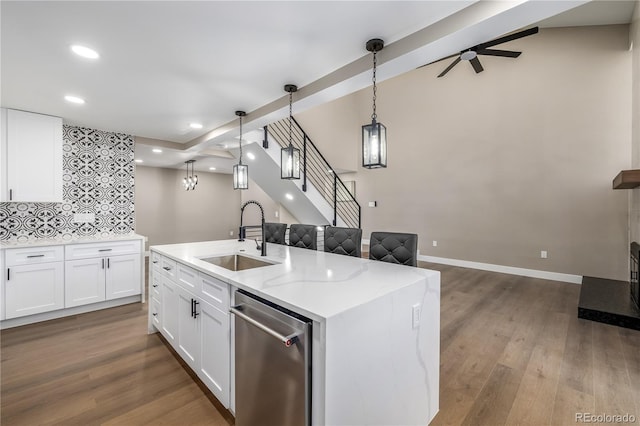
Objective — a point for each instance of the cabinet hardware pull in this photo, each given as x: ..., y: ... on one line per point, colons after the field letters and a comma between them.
x: 155, y: 314
x: 154, y: 261
x: 35, y: 255
x: 102, y: 263
x: 195, y: 308
x: 10, y: 194
x: 155, y: 285
x: 108, y: 263
x: 8, y: 274
x: 105, y: 249
x: 192, y: 308
x: 166, y: 268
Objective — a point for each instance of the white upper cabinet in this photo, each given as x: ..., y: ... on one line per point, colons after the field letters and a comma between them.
x: 31, y: 157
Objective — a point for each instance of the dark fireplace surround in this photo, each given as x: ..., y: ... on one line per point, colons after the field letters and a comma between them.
x: 610, y: 301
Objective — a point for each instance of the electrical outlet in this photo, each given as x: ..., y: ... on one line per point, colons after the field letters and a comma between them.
x: 277, y: 214
x: 543, y: 254
x: 435, y: 243
x: 373, y: 203
x: 84, y: 217
x: 415, y: 315
x: 231, y: 233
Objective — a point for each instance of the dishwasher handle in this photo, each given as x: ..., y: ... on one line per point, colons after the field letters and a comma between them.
x: 286, y: 340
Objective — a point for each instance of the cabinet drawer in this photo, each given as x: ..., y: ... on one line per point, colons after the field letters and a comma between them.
x: 154, y: 260
x: 168, y: 267
x: 188, y: 278
x: 156, y: 286
x: 83, y: 251
x: 30, y: 255
x: 215, y: 292
x: 155, y: 312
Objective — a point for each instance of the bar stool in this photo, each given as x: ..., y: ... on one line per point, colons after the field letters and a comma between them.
x: 274, y: 232
x: 345, y: 241
x: 394, y: 247
x: 304, y: 236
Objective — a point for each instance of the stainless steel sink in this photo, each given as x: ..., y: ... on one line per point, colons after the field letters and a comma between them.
x: 236, y: 262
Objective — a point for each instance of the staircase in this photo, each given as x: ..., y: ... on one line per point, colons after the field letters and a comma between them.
x: 319, y: 197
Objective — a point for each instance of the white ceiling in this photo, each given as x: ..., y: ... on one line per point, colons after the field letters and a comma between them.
x: 165, y: 64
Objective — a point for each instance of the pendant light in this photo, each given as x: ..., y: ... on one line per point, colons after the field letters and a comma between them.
x: 374, y: 135
x: 240, y: 171
x: 290, y: 156
x: 190, y: 181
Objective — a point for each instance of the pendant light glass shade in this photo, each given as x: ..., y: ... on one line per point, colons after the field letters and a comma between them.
x: 290, y: 161
x: 374, y: 145
x: 289, y: 155
x: 240, y: 176
x: 240, y: 171
x: 374, y: 135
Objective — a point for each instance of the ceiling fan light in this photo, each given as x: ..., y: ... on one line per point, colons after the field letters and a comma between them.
x: 468, y: 55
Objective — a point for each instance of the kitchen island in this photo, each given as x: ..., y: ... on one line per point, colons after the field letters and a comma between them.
x: 375, y: 325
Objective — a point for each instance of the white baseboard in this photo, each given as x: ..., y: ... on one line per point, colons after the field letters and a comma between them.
x: 533, y: 273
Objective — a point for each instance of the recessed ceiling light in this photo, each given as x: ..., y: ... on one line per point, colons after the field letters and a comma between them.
x: 157, y: 150
x: 289, y: 196
x: 195, y: 125
x: 74, y: 99
x: 84, y: 51
x: 251, y: 156
x: 212, y: 168
x: 137, y: 160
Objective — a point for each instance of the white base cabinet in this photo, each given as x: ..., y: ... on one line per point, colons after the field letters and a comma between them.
x: 34, y: 281
x: 85, y: 282
x: 32, y: 289
x: 41, y: 279
x: 197, y: 330
x: 92, y: 276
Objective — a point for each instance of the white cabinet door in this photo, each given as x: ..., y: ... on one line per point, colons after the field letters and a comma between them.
x: 169, y: 309
x: 122, y: 276
x: 214, y: 352
x: 188, y: 338
x: 33, y: 157
x: 156, y: 314
x: 32, y: 289
x: 85, y: 282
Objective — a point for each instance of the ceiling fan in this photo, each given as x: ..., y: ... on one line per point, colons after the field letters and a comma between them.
x: 472, y: 53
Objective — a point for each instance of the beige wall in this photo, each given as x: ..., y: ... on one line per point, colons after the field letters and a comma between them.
x: 503, y: 164
x: 168, y: 214
x: 634, y: 36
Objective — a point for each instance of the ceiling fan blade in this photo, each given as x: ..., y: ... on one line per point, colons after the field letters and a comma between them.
x: 477, y: 66
x: 498, y: 52
x: 441, y: 59
x: 453, y: 64
x: 509, y: 37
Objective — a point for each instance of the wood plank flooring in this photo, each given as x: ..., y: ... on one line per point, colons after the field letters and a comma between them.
x: 512, y: 352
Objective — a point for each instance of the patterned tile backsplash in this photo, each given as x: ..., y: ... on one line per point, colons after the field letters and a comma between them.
x: 98, y: 178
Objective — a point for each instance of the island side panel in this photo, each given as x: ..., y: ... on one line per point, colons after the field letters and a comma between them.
x: 379, y: 369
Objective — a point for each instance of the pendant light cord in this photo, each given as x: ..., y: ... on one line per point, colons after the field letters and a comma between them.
x: 290, y: 117
x: 375, y: 88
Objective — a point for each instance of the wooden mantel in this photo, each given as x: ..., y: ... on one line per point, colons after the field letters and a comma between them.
x: 627, y: 179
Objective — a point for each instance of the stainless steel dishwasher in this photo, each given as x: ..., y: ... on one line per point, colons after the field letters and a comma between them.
x: 273, y: 364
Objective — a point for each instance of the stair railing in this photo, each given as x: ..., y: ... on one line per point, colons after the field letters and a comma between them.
x: 318, y: 171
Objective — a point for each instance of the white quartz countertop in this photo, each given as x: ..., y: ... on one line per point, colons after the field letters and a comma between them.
x: 316, y: 284
x: 40, y: 242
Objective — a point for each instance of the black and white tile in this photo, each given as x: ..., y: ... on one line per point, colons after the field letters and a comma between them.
x: 98, y: 178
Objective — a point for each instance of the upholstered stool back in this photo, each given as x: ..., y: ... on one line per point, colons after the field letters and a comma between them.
x: 274, y: 232
x: 394, y: 247
x: 304, y: 236
x: 346, y: 241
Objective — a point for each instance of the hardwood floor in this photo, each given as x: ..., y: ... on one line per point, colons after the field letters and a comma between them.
x: 512, y: 352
